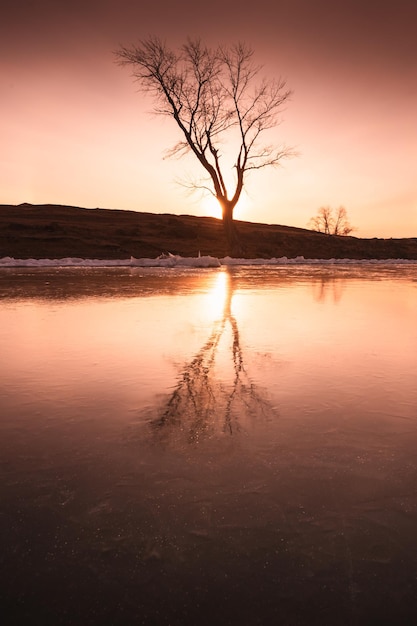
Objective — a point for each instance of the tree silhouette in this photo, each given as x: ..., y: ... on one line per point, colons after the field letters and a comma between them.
x: 331, y: 222
x: 202, y: 403
x: 215, y: 96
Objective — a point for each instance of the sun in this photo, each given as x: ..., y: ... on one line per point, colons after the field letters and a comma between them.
x: 211, y: 208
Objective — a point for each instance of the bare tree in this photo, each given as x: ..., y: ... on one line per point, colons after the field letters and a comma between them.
x: 215, y: 96
x: 331, y: 222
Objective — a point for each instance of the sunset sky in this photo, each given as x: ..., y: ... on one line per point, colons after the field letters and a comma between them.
x: 75, y: 130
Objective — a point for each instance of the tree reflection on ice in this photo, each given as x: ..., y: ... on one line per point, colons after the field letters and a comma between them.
x: 328, y: 286
x: 205, y: 402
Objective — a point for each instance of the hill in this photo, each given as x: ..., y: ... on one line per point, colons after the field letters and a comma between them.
x: 55, y: 231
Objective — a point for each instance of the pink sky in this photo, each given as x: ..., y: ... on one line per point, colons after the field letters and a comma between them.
x: 74, y: 129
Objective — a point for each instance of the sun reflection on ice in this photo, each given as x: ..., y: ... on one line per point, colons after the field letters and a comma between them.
x: 214, y: 393
x: 218, y: 291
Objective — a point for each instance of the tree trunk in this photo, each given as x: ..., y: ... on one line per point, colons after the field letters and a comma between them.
x: 234, y: 246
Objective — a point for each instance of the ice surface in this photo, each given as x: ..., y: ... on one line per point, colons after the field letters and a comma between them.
x: 171, y: 260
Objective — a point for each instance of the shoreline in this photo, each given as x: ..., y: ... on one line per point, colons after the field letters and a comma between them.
x: 175, y: 261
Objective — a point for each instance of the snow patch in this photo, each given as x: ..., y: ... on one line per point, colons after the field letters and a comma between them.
x: 174, y: 260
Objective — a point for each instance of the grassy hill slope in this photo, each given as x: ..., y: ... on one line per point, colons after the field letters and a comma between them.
x: 54, y: 231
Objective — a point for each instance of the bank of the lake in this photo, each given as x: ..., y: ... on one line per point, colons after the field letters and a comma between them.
x: 55, y: 231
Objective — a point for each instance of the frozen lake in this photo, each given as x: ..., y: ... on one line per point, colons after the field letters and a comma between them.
x: 232, y: 445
